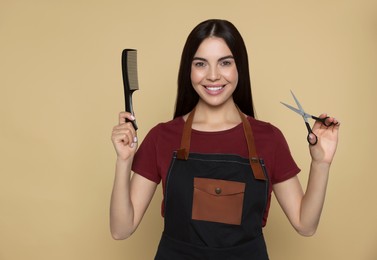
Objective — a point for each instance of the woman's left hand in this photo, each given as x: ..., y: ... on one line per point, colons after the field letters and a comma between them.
x: 324, y: 150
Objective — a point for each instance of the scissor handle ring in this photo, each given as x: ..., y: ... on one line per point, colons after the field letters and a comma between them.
x: 316, y: 139
x: 324, y: 120
x: 310, y: 132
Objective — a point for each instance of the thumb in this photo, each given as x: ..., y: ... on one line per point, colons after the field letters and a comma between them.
x: 312, y: 139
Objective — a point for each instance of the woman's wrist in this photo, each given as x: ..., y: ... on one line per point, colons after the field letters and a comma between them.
x: 123, y: 165
x: 321, y: 166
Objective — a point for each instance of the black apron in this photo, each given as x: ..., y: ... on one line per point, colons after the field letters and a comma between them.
x: 214, y: 204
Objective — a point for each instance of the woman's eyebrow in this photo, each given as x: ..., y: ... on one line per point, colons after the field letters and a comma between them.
x: 198, y: 58
x: 226, y: 57
x: 222, y: 58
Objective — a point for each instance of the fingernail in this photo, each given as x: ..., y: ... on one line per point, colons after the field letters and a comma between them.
x: 132, y: 145
x: 135, y: 139
x: 132, y: 117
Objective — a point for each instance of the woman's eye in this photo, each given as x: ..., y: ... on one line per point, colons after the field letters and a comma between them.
x: 226, y: 63
x: 199, y: 64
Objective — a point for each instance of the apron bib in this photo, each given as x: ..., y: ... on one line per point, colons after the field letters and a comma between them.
x: 214, y: 204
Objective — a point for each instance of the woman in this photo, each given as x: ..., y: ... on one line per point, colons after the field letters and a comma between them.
x: 218, y: 165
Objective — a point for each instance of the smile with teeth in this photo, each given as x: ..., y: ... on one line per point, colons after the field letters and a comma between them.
x: 214, y: 89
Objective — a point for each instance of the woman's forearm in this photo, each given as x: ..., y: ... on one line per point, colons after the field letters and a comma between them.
x: 121, y: 208
x: 314, y: 198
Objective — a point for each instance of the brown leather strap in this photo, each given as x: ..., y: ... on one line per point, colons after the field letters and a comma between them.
x: 183, y: 152
x: 253, y: 156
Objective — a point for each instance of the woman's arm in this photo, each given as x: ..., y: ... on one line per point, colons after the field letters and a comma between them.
x: 304, y: 209
x: 131, y: 195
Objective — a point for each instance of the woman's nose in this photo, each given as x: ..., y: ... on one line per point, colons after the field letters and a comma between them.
x: 213, y: 73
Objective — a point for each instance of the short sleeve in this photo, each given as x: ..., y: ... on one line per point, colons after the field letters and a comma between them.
x: 145, y: 160
x: 284, y: 166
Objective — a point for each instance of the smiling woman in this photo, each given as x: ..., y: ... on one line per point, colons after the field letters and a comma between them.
x: 61, y: 86
x: 214, y: 73
x: 224, y: 32
x: 218, y: 164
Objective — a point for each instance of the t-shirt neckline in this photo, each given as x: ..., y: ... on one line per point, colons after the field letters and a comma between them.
x: 225, y: 131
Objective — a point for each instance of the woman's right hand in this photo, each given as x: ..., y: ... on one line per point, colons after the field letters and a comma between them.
x: 124, y: 137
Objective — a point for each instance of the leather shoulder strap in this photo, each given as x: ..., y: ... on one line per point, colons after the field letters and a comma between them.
x: 183, y: 152
x: 253, y: 156
x: 255, y: 164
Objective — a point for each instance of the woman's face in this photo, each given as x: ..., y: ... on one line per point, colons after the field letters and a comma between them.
x: 214, y: 73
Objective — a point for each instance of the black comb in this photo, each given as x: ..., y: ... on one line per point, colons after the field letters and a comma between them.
x: 130, y: 82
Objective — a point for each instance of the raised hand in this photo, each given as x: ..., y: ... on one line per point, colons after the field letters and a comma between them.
x: 124, y: 137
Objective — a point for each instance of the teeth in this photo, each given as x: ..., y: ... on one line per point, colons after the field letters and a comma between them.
x: 214, y: 88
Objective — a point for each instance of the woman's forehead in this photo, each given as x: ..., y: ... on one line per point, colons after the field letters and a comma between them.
x: 214, y: 47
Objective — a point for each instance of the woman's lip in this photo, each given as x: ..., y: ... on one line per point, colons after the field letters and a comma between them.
x: 214, y: 90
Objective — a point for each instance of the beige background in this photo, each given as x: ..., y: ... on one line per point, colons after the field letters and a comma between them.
x: 61, y: 91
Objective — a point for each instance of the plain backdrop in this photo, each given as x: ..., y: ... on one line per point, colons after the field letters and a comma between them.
x: 61, y: 91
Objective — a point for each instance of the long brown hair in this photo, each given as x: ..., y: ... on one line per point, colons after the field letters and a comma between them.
x: 187, y: 98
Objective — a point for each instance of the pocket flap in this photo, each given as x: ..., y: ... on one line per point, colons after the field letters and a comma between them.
x: 219, y: 187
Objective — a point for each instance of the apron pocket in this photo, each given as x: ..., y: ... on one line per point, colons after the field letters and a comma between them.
x: 218, y: 200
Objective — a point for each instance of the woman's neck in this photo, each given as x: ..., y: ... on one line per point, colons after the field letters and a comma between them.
x: 217, y: 118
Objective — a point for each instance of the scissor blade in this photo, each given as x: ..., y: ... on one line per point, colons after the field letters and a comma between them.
x: 298, y: 103
x: 294, y: 109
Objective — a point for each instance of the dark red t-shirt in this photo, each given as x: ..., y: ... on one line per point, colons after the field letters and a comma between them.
x: 152, y: 160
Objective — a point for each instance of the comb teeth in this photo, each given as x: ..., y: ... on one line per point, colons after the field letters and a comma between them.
x: 132, y: 70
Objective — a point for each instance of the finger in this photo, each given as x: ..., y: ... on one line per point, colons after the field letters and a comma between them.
x: 327, y: 122
x: 323, y: 115
x: 123, y: 126
x: 318, y: 124
x: 336, y: 122
x: 120, y: 138
x: 332, y: 121
x: 124, y: 137
x: 129, y: 136
x: 128, y: 131
x: 312, y: 138
x: 125, y: 115
x: 121, y: 129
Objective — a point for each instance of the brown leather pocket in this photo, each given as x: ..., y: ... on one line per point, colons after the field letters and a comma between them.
x: 218, y: 200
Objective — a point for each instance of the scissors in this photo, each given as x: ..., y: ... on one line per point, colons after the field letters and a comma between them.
x: 304, y: 115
